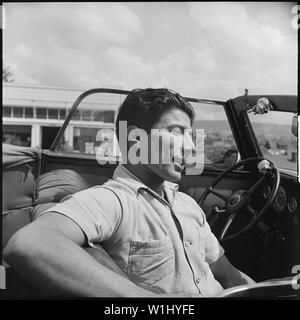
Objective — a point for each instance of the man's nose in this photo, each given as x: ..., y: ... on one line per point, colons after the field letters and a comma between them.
x: 188, y: 144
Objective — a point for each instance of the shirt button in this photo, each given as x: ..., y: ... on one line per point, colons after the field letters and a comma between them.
x: 188, y: 243
x: 198, y: 280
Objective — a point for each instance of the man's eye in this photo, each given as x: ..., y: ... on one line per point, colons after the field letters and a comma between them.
x: 176, y: 131
x: 189, y: 133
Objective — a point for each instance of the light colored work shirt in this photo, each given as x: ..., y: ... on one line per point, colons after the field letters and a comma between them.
x: 163, y: 245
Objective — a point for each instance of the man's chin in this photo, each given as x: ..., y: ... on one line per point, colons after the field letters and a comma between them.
x: 174, y: 177
x: 168, y: 173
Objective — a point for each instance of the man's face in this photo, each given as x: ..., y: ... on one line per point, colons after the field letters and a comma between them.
x: 230, y: 160
x: 176, y: 144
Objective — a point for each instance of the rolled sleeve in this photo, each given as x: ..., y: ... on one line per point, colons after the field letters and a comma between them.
x: 213, y: 249
x: 97, y: 211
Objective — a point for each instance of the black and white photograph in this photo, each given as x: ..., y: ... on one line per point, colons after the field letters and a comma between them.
x: 150, y: 150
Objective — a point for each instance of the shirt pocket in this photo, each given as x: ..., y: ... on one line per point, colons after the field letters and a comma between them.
x: 150, y: 261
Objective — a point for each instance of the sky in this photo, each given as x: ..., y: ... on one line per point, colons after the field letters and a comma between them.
x: 205, y: 50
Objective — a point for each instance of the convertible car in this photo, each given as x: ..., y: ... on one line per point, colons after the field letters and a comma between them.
x: 252, y: 203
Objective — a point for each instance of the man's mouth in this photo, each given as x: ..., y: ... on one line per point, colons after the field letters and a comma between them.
x: 178, y: 163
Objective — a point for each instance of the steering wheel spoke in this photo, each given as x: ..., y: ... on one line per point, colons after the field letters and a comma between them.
x: 227, y: 225
x: 251, y: 212
x: 218, y: 194
x: 239, y: 203
x: 256, y: 185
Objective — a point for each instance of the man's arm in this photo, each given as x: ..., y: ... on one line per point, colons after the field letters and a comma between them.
x: 48, y: 252
x: 227, y: 274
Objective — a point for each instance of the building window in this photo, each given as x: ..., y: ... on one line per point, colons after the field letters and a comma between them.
x: 104, y: 116
x: 87, y: 115
x: 17, y: 135
x: 53, y: 113
x: 89, y: 140
x: 99, y: 116
x: 6, y: 112
x: 29, y: 113
x: 76, y: 115
x: 109, y: 116
x: 62, y: 114
x: 18, y: 112
x: 41, y: 113
x: 84, y: 139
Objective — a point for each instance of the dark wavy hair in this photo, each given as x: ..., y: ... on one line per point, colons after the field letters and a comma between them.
x: 144, y: 107
x: 229, y: 152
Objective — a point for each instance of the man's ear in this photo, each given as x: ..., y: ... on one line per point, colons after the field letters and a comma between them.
x: 130, y: 139
x: 129, y: 129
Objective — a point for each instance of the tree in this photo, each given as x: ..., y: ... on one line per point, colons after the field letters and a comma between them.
x: 7, y: 75
x: 267, y: 145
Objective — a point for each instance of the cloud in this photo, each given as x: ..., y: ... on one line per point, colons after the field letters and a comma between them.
x: 209, y: 50
x: 56, y: 43
x: 249, y: 52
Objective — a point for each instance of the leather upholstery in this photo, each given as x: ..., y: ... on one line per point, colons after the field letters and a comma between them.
x: 53, y: 186
x: 17, y: 188
x: 20, y: 168
x: 12, y: 221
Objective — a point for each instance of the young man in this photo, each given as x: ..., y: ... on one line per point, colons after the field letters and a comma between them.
x: 230, y: 157
x: 158, y: 237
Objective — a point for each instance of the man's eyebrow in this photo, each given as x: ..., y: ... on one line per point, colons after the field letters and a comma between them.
x: 172, y: 126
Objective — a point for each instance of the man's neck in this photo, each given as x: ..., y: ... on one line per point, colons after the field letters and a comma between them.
x: 147, y: 177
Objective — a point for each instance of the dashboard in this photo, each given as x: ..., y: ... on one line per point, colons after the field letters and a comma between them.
x: 288, y: 197
x: 281, y: 227
x: 285, y: 199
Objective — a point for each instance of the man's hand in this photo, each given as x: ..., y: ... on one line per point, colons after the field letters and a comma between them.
x: 263, y: 166
x: 262, y: 106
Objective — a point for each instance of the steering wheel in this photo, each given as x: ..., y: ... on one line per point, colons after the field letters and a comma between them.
x: 239, y: 203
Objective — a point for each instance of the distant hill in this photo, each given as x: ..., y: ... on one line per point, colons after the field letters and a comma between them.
x: 281, y: 161
x: 266, y: 129
x: 214, y: 125
x: 273, y: 130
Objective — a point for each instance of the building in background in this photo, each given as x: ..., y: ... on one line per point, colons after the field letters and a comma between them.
x: 32, y: 116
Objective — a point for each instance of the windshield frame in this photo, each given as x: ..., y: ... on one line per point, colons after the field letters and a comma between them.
x: 257, y: 145
x: 237, y: 113
x: 114, y: 91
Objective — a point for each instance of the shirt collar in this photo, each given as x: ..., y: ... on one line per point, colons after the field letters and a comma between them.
x: 122, y: 174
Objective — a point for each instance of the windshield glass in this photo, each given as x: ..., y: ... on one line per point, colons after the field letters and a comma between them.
x: 273, y: 133
x: 92, y: 126
x: 92, y: 131
x: 218, y: 138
